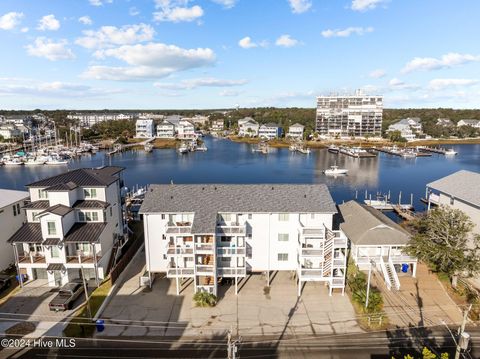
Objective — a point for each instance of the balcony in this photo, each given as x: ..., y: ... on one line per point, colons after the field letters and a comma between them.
x: 31, y: 258
x: 311, y: 252
x: 338, y: 282
x: 312, y: 231
x: 205, y: 269
x: 178, y: 227
x: 311, y: 273
x: 231, y: 228
x: 180, y: 272
x: 339, y: 262
x: 179, y: 251
x: 232, y: 271
x: 230, y: 251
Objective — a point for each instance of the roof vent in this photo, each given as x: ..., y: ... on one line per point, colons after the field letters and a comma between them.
x: 215, y: 188
x: 272, y: 188
x: 304, y: 196
x: 171, y: 197
x: 203, y: 188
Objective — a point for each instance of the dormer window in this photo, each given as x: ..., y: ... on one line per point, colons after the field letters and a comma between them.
x: 42, y: 194
x: 90, y: 193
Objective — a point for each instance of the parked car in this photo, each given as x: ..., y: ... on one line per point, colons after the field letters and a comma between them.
x: 5, y: 282
x: 66, y: 296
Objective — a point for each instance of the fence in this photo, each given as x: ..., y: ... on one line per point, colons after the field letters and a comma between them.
x: 126, y: 258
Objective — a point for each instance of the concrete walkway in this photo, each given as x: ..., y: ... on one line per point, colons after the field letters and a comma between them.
x: 421, y: 301
x: 135, y: 311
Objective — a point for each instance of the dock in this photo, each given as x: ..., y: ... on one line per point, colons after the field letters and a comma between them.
x: 355, y: 152
x: 438, y: 150
x: 404, y: 213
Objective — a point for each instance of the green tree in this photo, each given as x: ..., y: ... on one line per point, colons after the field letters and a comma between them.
x: 446, y: 243
x: 396, y: 136
x: 2, y: 139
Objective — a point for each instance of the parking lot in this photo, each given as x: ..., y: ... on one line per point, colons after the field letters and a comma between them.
x: 134, y: 311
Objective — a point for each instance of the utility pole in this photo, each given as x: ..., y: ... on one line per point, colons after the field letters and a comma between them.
x: 232, y: 346
x: 85, y: 289
x: 368, y: 283
x: 461, y: 341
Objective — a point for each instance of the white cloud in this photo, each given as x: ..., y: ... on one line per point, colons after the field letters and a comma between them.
x: 440, y: 84
x: 347, y: 32
x: 247, y: 43
x: 108, y: 36
x: 100, y: 2
x: 153, y: 60
x: 85, y: 20
x: 286, y: 41
x: 364, y: 5
x: 24, y: 29
x: 50, y: 50
x: 10, y: 20
x: 48, y: 23
x: 228, y: 4
x: 446, y: 61
x: 397, y: 84
x: 133, y: 11
x: 377, y: 74
x: 200, y: 82
x: 300, y: 6
x: 229, y: 93
x: 176, y: 11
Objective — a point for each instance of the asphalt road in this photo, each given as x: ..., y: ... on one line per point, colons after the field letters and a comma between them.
x: 381, y: 345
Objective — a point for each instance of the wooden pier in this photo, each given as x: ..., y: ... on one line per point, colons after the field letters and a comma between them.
x: 406, y: 214
x: 351, y: 153
x: 438, y: 150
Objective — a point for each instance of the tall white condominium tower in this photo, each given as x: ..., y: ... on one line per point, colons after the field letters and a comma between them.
x: 205, y: 233
x: 356, y: 115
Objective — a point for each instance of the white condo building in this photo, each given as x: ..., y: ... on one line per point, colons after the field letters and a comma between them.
x: 206, y: 232
x: 248, y: 127
x: 357, y: 115
x: 12, y: 217
x: 89, y: 119
x: 296, y: 131
x: 166, y: 129
x: 269, y: 131
x: 145, y: 129
x: 185, y: 130
x: 74, y: 222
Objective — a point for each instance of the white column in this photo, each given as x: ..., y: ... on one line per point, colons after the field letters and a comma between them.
x: 414, y: 274
x: 299, y: 287
x: 236, y: 285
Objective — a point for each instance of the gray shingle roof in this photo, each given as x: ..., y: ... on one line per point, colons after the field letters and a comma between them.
x: 28, y: 233
x: 94, y: 177
x: 464, y: 185
x: 364, y: 225
x: 206, y: 200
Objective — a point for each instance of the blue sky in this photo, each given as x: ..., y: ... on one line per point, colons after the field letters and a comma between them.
x: 166, y: 54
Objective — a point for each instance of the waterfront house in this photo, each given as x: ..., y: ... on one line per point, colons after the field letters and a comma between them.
x: 217, y: 125
x: 471, y: 123
x: 248, y: 127
x: 12, y: 217
x: 444, y: 122
x: 460, y: 190
x: 408, y: 127
x: 295, y: 131
x: 377, y: 242
x: 145, y: 129
x: 185, y: 130
x: 166, y: 129
x: 10, y: 131
x: 206, y: 232
x: 269, y: 131
x: 74, y: 222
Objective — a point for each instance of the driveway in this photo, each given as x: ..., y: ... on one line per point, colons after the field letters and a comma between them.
x: 136, y: 311
x: 31, y: 304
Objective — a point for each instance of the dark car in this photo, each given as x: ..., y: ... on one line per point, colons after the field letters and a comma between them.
x: 5, y: 282
x: 66, y: 296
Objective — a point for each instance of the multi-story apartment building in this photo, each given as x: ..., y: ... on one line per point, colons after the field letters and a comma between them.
x: 87, y: 120
x: 12, y: 217
x: 460, y: 190
x: 207, y: 232
x: 145, y: 129
x: 248, y: 127
x: 217, y: 125
x: 166, y: 129
x: 185, y: 130
x: 74, y: 223
x: 296, y: 131
x: 357, y: 115
x: 269, y: 131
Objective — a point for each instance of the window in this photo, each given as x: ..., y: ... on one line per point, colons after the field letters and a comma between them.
x: 312, y: 215
x: 81, y: 217
x: 111, y: 211
x: 52, y: 230
x: 90, y: 192
x: 227, y: 217
x: 225, y: 239
x: 250, y: 216
x: 283, y: 217
x: 83, y: 247
x: 282, y: 257
x: 54, y: 252
x: 88, y: 216
x: 42, y: 194
x: 18, y: 208
x: 14, y: 210
x: 35, y: 217
x: 163, y: 216
x: 283, y: 237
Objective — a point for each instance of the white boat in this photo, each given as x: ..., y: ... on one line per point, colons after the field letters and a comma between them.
x: 334, y: 170
x: 202, y: 148
x: 56, y: 161
x: 148, y: 147
x: 450, y: 152
x: 183, y: 148
x: 333, y: 149
x: 35, y: 161
x: 12, y: 161
x: 304, y: 150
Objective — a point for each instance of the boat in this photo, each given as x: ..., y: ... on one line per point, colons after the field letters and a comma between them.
x: 334, y: 170
x: 333, y: 149
x: 148, y: 147
x: 450, y: 152
x: 36, y: 161
x: 184, y: 148
x: 12, y: 161
x: 202, y: 148
x: 56, y: 161
x: 304, y: 150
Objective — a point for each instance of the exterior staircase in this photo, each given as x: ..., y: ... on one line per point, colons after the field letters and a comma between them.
x: 328, y: 253
x: 389, y: 274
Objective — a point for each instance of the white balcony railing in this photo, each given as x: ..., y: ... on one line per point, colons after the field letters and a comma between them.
x: 230, y: 251
x: 180, y: 272
x: 179, y: 251
x: 232, y: 228
x: 311, y: 252
x: 205, y: 269
x: 232, y: 271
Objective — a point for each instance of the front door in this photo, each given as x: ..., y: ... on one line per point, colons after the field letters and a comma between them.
x: 57, y: 276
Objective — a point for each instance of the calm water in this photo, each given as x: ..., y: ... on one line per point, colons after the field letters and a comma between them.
x: 228, y: 162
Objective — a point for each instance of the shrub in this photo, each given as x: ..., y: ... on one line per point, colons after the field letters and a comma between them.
x: 204, y: 299
x: 357, y: 282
